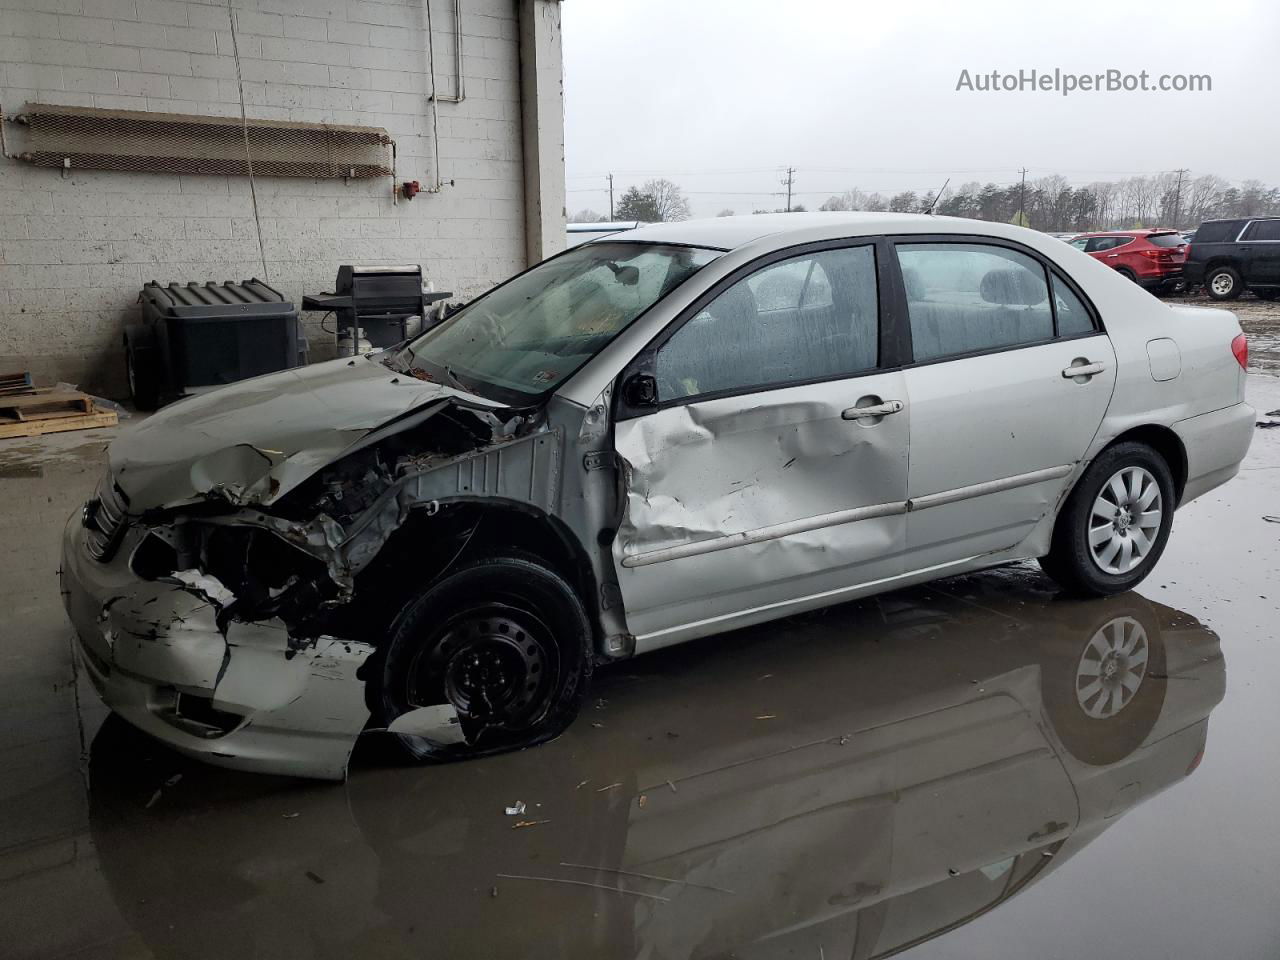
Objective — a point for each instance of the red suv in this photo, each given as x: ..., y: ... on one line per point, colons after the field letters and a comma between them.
x: 1152, y: 258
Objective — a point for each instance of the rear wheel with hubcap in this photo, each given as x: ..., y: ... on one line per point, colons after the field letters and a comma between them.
x: 1125, y: 520
x: 1223, y: 283
x: 502, y: 646
x: 1115, y: 523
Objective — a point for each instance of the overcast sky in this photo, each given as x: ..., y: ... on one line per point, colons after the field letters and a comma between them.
x: 719, y: 96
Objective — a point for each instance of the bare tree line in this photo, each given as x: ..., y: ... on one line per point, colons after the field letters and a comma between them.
x: 1052, y: 204
x: 1048, y: 203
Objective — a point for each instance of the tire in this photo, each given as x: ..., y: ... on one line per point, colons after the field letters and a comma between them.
x: 1223, y: 283
x: 1086, y: 570
x: 503, y: 643
x: 1104, y: 690
x: 1127, y: 274
x: 143, y: 377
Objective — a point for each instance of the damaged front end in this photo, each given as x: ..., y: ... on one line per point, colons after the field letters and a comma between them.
x: 232, y: 614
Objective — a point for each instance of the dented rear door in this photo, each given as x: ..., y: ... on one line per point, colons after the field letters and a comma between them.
x: 747, y: 501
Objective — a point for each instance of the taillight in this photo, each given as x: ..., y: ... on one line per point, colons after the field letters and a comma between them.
x: 1195, y: 761
x: 1157, y: 254
x: 1240, y: 350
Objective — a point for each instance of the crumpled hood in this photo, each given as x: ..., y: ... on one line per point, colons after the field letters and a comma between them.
x: 255, y: 440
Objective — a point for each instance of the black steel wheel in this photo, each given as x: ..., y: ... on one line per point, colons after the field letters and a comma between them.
x: 494, y: 656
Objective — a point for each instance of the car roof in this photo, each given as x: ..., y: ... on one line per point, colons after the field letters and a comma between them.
x: 786, y: 229
x: 1137, y: 232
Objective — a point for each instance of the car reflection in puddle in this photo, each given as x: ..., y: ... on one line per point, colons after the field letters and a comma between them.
x: 845, y: 784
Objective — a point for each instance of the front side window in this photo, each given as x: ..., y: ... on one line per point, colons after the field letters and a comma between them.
x: 522, y: 339
x: 812, y: 317
x: 968, y: 297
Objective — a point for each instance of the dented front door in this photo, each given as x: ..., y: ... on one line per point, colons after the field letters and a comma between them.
x: 743, y: 508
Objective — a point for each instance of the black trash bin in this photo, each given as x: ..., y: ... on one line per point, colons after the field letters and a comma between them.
x: 204, y: 335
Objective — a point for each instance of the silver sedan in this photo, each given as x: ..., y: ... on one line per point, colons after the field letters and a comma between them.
x: 653, y: 437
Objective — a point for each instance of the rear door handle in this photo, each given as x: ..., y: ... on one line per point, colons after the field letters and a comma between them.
x: 875, y: 410
x: 1083, y: 370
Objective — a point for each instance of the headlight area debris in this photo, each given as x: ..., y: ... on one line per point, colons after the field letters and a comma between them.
x: 252, y: 596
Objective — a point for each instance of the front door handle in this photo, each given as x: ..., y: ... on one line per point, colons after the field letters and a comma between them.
x: 1083, y: 369
x: 873, y: 411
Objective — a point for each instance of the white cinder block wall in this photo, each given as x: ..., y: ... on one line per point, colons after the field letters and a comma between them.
x: 75, y: 251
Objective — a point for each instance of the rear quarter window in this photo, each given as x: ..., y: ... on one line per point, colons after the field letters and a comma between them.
x: 1216, y: 231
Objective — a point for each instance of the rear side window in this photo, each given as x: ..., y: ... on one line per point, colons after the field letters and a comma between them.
x: 1217, y: 231
x: 1264, y: 230
x: 1099, y: 244
x: 1166, y: 239
x: 814, y: 317
x: 966, y: 297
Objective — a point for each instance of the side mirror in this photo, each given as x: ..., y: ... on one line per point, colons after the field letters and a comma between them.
x: 640, y: 390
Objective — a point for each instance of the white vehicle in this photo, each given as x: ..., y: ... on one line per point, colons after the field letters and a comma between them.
x: 653, y: 437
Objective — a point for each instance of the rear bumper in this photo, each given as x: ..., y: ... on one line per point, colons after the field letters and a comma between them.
x: 267, y: 704
x: 1162, y: 281
x: 1165, y: 282
x: 1216, y: 444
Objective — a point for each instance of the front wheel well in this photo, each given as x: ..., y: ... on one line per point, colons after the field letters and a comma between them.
x: 427, y: 546
x: 1166, y: 443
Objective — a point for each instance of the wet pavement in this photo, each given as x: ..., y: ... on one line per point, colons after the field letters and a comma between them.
x: 976, y: 768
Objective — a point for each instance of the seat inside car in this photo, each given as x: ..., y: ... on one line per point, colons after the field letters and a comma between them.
x: 734, y: 342
x: 1013, y: 309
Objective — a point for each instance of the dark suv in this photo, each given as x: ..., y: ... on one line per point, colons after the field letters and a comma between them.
x: 1229, y: 256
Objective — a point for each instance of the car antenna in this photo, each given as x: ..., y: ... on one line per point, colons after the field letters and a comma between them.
x: 937, y: 196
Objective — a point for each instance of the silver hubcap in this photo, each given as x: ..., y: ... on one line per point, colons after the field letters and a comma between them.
x: 1222, y: 283
x: 1125, y: 520
x: 1112, y: 668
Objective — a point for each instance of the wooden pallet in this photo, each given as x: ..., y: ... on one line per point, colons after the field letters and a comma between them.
x: 27, y: 411
x: 15, y: 382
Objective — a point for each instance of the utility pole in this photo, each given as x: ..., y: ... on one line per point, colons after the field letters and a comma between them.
x: 1177, y: 197
x: 1022, y: 199
x: 610, y: 179
x: 790, y: 179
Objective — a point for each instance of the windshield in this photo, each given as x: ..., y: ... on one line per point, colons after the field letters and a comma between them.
x: 1166, y: 239
x: 523, y: 338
